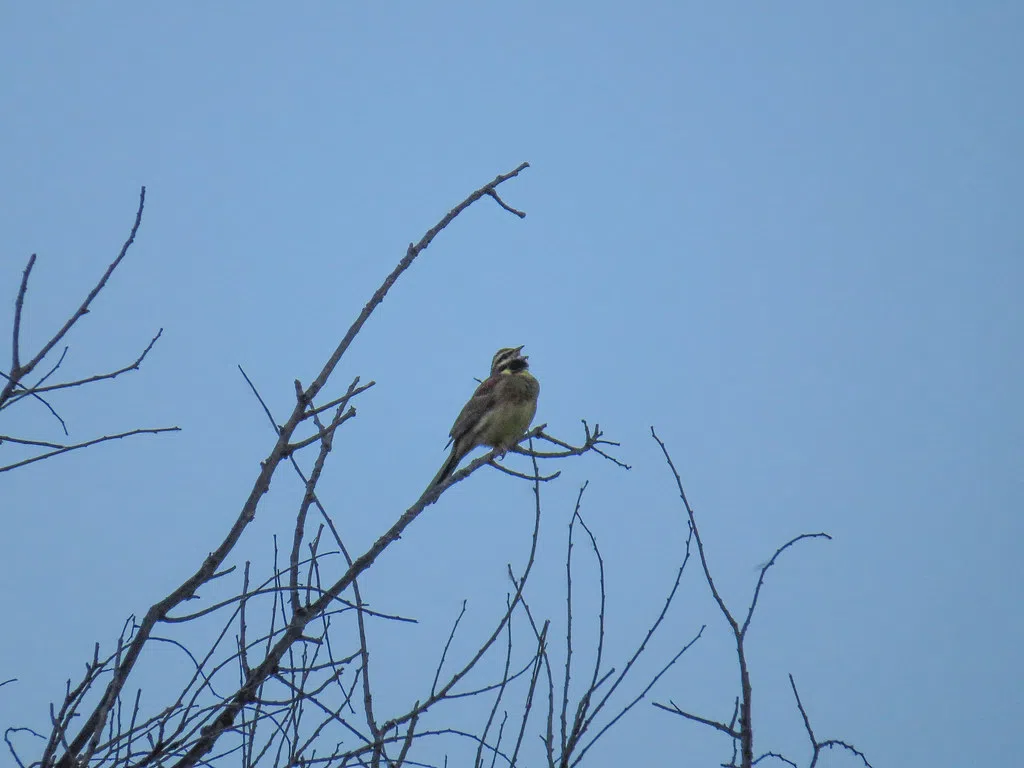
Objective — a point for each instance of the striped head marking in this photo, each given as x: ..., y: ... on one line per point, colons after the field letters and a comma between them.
x: 509, y: 360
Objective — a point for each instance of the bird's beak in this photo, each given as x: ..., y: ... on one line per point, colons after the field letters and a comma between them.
x: 519, y: 350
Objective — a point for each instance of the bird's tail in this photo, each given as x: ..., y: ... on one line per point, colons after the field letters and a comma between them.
x: 449, y: 466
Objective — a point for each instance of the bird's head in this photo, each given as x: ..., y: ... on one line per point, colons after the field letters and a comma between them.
x: 509, y: 360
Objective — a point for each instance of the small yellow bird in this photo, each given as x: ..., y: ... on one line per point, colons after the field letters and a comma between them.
x: 498, y: 413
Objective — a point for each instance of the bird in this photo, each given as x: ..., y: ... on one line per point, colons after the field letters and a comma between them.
x: 499, y: 412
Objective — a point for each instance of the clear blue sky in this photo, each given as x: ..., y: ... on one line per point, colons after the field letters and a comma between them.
x: 788, y: 237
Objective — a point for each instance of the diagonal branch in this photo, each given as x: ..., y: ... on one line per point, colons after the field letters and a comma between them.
x: 674, y: 709
x: 133, y: 366
x: 411, y: 253
x: 700, y: 544
x: 67, y: 448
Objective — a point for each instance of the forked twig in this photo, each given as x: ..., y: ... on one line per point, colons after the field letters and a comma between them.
x: 744, y: 736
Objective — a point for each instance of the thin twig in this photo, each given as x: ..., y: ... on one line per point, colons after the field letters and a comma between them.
x: 447, y: 645
x: 769, y: 564
x: 18, y: 304
x: 671, y: 707
x: 816, y: 745
x: 15, y: 398
x: 133, y: 366
x: 87, y: 443
x: 20, y: 371
x: 640, y: 696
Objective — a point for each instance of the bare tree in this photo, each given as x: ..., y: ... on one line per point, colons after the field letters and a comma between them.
x: 287, y: 677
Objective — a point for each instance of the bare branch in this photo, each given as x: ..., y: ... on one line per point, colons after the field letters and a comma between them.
x: 326, y: 437
x: 133, y: 366
x: 353, y: 390
x: 629, y: 665
x: 411, y: 253
x: 53, y: 369
x: 538, y: 662
x: 700, y: 544
x: 769, y: 564
x: 23, y: 441
x: 639, y: 697
x: 505, y: 678
x: 19, y: 303
x: 777, y: 756
x: 816, y: 745
x: 14, y: 398
x: 447, y: 645
x: 507, y: 207
x: 563, y: 716
x: 18, y: 371
x: 592, y: 440
x: 323, y: 434
x: 87, y: 443
x: 671, y: 707
x: 10, y: 745
x: 262, y: 402
x: 744, y: 736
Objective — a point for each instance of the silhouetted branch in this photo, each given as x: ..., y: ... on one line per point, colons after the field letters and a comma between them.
x: 592, y: 439
x: 745, y: 734
x: 19, y: 304
x: 777, y: 756
x: 15, y: 386
x: 132, y: 366
x: 769, y: 564
x: 19, y: 371
x: 86, y: 444
x: 674, y: 708
x: 572, y: 747
x: 816, y: 745
x: 447, y: 645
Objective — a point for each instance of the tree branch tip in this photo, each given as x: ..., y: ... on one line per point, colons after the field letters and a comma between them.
x: 497, y: 198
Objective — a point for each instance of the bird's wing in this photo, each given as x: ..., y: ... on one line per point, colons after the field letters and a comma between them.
x: 482, y: 400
